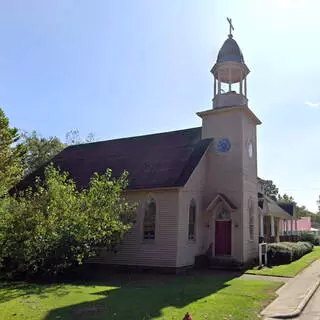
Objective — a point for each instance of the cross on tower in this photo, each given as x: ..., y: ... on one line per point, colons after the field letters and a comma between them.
x: 231, y: 27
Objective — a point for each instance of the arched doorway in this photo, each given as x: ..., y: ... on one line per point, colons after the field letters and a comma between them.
x: 223, y: 232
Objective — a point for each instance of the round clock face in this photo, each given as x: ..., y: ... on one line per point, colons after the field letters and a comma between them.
x: 250, y: 149
x: 223, y: 145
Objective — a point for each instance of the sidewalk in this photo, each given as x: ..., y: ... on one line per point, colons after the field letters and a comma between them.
x: 295, y: 294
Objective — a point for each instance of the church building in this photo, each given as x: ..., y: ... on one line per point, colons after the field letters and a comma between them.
x: 197, y: 188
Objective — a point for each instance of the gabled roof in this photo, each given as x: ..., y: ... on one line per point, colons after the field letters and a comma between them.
x: 153, y: 161
x: 221, y: 197
x: 275, y: 209
x: 288, y: 207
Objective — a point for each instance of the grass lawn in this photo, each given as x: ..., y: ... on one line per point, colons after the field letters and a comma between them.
x: 291, y: 269
x: 203, y: 296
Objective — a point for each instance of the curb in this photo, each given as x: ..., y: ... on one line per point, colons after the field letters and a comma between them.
x: 301, y: 305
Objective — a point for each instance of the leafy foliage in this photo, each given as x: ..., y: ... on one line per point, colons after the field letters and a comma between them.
x: 39, y: 150
x: 302, y: 211
x: 270, y: 189
x: 73, y: 137
x: 57, y: 226
x: 285, y: 198
x: 318, y: 204
x: 310, y: 237
x: 286, y: 252
x: 11, y: 169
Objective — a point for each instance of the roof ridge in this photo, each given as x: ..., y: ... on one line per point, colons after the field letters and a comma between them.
x: 131, y: 137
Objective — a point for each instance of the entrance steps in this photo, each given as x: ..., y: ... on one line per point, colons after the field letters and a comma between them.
x: 218, y: 262
x: 226, y: 263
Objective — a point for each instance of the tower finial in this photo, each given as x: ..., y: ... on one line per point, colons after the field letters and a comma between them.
x: 231, y: 28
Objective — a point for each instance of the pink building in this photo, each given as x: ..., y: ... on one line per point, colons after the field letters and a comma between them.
x: 303, y: 224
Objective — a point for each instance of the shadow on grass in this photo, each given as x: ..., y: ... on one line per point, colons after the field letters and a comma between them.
x: 144, y: 296
x: 13, y: 290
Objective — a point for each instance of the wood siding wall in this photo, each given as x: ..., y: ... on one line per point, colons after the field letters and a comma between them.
x: 250, y: 190
x: 161, y: 252
x: 194, y: 189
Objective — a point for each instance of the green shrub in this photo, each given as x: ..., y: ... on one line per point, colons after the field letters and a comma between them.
x: 310, y: 237
x: 286, y: 252
x: 279, y: 253
x: 56, y: 226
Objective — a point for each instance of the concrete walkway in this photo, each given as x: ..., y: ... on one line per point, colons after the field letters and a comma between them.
x: 295, y: 294
x: 312, y: 309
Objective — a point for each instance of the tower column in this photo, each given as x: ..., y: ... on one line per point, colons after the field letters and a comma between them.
x: 261, y: 226
x: 241, y: 82
x: 272, y: 227
x: 230, y: 79
x: 245, y: 86
x: 214, y: 87
x: 219, y: 83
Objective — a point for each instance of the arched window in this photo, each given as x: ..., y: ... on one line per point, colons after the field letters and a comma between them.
x: 192, y: 220
x: 149, y: 222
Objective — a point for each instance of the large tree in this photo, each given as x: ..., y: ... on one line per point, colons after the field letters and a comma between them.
x: 302, y: 211
x: 11, y: 169
x: 39, y: 150
x: 285, y: 198
x: 270, y: 189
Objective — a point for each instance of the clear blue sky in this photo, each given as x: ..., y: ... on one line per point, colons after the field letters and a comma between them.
x: 123, y: 68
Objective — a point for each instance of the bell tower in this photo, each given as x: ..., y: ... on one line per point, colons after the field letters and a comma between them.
x: 230, y: 75
x: 232, y: 160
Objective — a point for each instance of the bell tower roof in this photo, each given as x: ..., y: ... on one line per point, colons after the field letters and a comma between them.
x: 230, y: 75
x: 230, y: 52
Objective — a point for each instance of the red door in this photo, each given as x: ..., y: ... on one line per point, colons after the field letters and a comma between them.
x: 223, y: 238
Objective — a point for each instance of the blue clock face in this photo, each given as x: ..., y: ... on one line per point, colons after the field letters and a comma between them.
x: 223, y: 145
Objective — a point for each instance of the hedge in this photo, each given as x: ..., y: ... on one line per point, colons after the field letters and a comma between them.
x: 286, y: 252
x: 310, y: 237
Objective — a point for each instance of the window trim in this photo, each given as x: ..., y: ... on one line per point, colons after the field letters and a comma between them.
x: 251, y: 224
x: 148, y: 202
x: 192, y: 237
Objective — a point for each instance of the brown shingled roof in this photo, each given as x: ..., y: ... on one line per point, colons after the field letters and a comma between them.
x: 153, y: 161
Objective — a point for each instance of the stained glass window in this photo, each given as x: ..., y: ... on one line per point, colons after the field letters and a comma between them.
x: 192, y: 220
x: 149, y: 222
x: 251, y: 221
x: 223, y: 214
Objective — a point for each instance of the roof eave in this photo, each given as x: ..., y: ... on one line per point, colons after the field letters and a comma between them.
x: 246, y: 109
x: 153, y: 189
x: 228, y: 64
